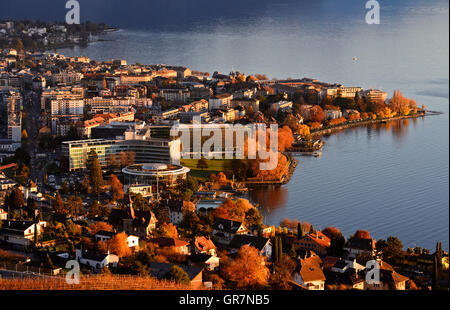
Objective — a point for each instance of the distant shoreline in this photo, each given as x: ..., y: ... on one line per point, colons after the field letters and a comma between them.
x: 75, y: 44
x: 337, y: 128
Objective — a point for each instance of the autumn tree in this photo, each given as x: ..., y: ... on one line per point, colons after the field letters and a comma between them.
x: 98, y: 226
x: 168, y: 230
x: 248, y: 270
x: 112, y: 161
x: 316, y: 114
x: 24, y: 134
x: 117, y: 187
x: 202, y: 164
x: 123, y: 159
x: 282, y: 274
x: 118, y: 245
x: 75, y: 206
x: 241, y: 210
x: 59, y: 206
x: 96, y: 209
x: 401, y: 104
x: 304, y: 131
x: 131, y: 157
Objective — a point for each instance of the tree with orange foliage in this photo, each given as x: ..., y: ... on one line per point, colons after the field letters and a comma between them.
x: 117, y: 187
x: 248, y: 270
x: 315, y: 125
x: 303, y: 130
x: 168, y: 230
x: 188, y: 206
x: 337, y: 121
x: 118, y: 245
x: 401, y: 104
x: 353, y: 116
x: 241, y: 210
x: 96, y: 227
x: 282, y: 275
x: 316, y: 114
x: 285, y: 138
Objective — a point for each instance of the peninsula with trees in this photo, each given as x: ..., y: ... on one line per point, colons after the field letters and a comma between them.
x: 89, y: 175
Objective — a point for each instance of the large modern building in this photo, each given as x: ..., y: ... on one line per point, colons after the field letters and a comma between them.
x: 154, y: 173
x: 145, y: 151
x: 10, y: 116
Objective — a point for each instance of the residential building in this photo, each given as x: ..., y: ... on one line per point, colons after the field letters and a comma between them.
x: 20, y: 234
x: 224, y: 230
x: 175, y: 94
x: 104, y: 236
x: 203, y: 245
x: 283, y: 106
x: 360, y: 244
x: 309, y: 275
x: 316, y: 241
x: 179, y: 246
x: 221, y: 101
x: 96, y: 261
x: 263, y: 245
x: 134, y: 222
x: 332, y: 114
x: 389, y: 279
x: 11, y: 115
x: 175, y: 208
x: 3, y: 215
x: 67, y: 106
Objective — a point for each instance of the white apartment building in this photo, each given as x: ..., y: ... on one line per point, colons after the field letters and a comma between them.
x: 332, y: 114
x: 220, y: 101
x: 67, y: 106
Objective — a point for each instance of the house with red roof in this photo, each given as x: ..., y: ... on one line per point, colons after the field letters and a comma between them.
x: 315, y: 241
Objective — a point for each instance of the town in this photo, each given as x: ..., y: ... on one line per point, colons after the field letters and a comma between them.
x: 90, y: 173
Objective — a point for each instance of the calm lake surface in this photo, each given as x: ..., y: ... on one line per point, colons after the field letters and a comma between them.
x: 390, y: 179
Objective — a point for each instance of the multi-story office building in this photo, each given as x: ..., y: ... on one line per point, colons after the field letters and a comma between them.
x: 146, y: 151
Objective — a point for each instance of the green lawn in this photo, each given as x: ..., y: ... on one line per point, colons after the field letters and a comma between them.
x: 214, y: 166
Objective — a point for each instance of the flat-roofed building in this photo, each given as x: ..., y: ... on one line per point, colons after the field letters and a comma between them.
x: 220, y: 101
x: 152, y: 150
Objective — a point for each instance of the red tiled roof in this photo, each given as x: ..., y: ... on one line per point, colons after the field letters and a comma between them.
x: 319, y: 238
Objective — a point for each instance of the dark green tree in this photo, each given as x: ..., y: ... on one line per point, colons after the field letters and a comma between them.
x: 15, y: 199
x: 95, y: 172
x: 292, y: 252
x: 202, y: 164
x: 178, y: 275
x: 299, y: 231
x: 435, y: 273
x: 280, y: 249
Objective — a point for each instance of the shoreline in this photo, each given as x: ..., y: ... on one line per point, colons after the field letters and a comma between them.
x: 327, y: 131
x: 330, y: 130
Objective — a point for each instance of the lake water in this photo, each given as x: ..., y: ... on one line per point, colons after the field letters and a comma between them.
x: 390, y: 179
